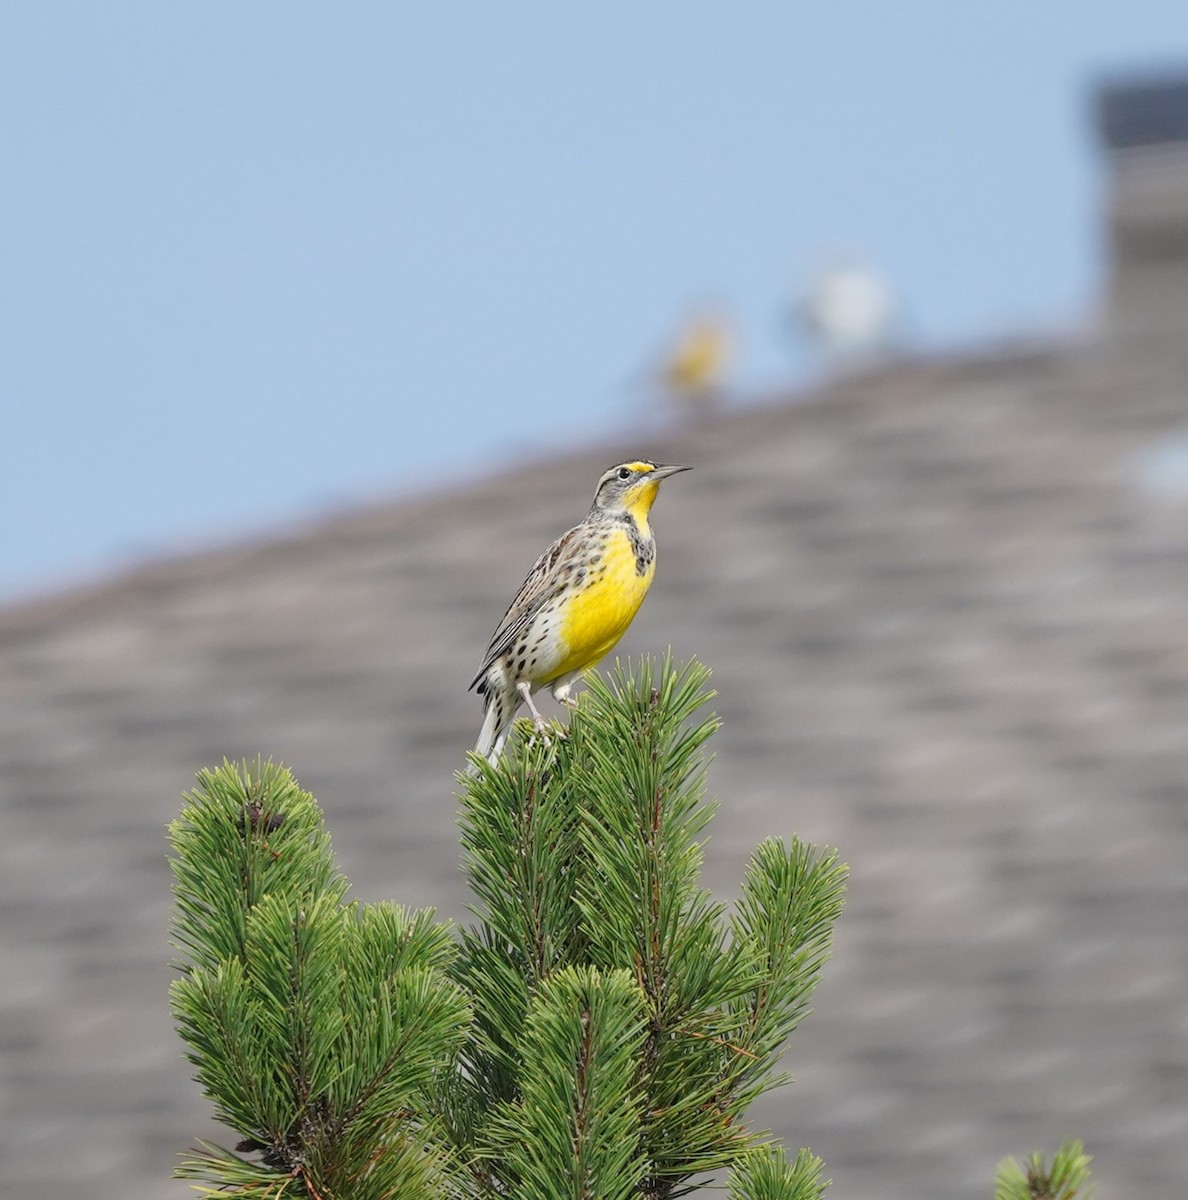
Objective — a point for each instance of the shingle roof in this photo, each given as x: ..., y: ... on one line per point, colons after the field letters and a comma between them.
x: 950, y: 635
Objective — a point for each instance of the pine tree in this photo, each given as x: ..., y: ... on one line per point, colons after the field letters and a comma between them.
x: 597, y: 1033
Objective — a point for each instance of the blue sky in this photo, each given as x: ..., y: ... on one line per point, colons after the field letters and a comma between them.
x: 261, y: 260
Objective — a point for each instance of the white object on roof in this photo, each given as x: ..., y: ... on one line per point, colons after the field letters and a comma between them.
x: 850, y: 311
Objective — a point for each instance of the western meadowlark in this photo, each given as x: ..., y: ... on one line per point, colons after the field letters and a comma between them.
x: 575, y: 605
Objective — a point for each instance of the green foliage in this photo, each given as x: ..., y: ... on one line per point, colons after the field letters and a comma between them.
x: 573, y: 1130
x: 1067, y: 1177
x: 597, y: 1033
x: 318, y: 1028
x: 226, y: 856
x: 585, y: 852
x: 766, y: 1174
x: 783, y: 922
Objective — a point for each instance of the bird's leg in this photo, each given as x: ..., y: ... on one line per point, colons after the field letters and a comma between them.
x: 525, y: 690
x: 561, y: 689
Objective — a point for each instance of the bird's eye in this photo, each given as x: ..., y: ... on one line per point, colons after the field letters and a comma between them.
x: 624, y: 472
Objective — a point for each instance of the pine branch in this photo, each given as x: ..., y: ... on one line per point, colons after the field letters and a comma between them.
x: 265, y: 834
x: 638, y: 743
x: 212, y: 1007
x: 319, y: 1029
x: 1068, y: 1177
x: 574, y: 1130
x: 783, y: 924
x: 519, y: 830
x: 586, y: 851
x: 766, y: 1174
x: 639, y: 779
x: 237, y: 1175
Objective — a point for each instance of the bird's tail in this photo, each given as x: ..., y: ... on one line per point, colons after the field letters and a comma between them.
x: 497, y: 720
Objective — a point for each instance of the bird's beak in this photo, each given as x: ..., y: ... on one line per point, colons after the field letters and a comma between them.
x: 664, y: 472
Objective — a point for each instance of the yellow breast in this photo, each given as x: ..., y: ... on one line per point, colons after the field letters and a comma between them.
x: 597, y: 616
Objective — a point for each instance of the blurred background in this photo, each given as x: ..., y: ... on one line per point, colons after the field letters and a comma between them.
x: 318, y: 324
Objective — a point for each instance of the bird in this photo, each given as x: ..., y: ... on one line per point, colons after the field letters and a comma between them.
x: 576, y: 603
x: 694, y: 370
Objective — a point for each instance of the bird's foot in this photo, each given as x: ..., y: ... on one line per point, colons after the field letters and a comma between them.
x: 544, y: 731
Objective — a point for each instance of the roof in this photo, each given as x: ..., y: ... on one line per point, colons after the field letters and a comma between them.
x: 946, y: 605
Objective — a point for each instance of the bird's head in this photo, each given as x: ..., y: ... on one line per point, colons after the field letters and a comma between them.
x: 631, y: 487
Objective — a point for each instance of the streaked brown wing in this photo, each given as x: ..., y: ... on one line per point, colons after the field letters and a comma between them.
x: 529, y: 599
